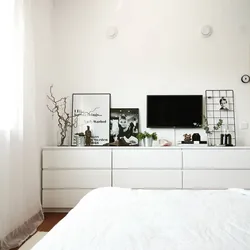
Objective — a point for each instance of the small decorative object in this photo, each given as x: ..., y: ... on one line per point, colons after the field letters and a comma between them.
x: 187, y: 137
x: 196, y: 137
x: 228, y: 140
x: 65, y: 120
x: 222, y: 139
x: 124, y: 127
x: 147, y: 138
x: 164, y: 143
x: 80, y: 139
x: 92, y: 110
x: 88, y: 136
x: 245, y: 78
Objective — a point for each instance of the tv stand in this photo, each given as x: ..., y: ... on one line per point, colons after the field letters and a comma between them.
x: 68, y: 173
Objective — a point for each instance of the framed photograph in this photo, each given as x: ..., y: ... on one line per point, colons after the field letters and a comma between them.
x: 223, y: 104
x: 93, y: 116
x: 124, y: 126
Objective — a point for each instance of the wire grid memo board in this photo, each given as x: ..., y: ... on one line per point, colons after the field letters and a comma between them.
x: 220, y: 105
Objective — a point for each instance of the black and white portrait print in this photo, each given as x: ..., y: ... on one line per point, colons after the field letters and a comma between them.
x: 124, y: 127
x: 223, y: 104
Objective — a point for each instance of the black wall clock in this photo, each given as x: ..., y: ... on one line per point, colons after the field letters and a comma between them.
x: 245, y: 78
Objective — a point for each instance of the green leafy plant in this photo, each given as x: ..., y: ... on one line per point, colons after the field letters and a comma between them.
x: 147, y: 135
x: 144, y: 135
x: 154, y: 136
x: 141, y: 136
x: 216, y: 127
x: 80, y: 134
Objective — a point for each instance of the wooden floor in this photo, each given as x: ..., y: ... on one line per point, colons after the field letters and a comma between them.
x: 50, y: 220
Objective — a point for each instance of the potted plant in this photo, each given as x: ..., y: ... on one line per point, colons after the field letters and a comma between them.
x: 147, y: 138
x: 208, y: 131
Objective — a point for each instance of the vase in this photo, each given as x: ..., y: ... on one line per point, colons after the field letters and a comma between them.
x: 148, y: 142
x: 63, y: 141
x: 80, y: 141
x: 210, y: 140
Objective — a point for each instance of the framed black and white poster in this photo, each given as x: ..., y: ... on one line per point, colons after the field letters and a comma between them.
x: 124, y: 126
x: 93, y: 113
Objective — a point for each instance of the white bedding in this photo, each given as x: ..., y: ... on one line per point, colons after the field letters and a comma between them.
x: 124, y: 219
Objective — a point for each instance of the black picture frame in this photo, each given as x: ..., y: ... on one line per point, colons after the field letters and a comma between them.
x: 93, y: 110
x: 124, y: 126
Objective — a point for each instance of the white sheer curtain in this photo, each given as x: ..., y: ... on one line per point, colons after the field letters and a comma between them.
x: 20, y: 209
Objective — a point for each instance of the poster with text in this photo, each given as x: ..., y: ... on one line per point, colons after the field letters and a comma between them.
x: 92, y: 113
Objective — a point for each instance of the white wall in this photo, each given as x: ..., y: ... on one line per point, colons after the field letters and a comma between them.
x: 42, y: 22
x: 159, y: 50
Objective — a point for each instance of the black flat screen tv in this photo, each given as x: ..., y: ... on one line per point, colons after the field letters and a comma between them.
x: 180, y: 111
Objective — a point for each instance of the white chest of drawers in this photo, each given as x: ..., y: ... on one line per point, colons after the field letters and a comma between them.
x: 70, y: 173
x: 156, y: 168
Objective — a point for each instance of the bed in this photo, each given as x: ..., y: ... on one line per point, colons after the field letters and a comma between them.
x: 125, y: 219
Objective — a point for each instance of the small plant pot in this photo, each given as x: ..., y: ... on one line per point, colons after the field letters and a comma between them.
x: 148, y: 142
x: 80, y: 141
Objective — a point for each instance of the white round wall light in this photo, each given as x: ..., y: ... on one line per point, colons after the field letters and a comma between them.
x: 112, y: 32
x: 206, y: 30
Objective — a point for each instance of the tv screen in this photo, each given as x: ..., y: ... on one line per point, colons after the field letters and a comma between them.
x: 183, y: 111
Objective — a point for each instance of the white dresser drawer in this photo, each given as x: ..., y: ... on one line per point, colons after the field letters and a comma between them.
x: 76, y: 178
x: 77, y: 158
x: 147, y: 159
x: 160, y: 179
x: 216, y: 159
x: 216, y: 179
x: 62, y: 198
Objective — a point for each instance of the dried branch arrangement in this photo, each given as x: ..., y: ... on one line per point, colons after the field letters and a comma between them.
x: 65, y: 120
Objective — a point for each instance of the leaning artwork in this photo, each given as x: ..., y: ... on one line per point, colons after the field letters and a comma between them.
x: 124, y: 127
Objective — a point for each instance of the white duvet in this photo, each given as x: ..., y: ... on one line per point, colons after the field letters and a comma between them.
x: 124, y: 219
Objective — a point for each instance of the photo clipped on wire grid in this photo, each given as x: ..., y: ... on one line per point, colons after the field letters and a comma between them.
x: 223, y: 104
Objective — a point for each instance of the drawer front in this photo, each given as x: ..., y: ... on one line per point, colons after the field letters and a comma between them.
x: 216, y: 159
x: 216, y: 179
x: 149, y: 159
x: 76, y: 178
x: 77, y: 158
x: 63, y: 198
x: 147, y: 178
